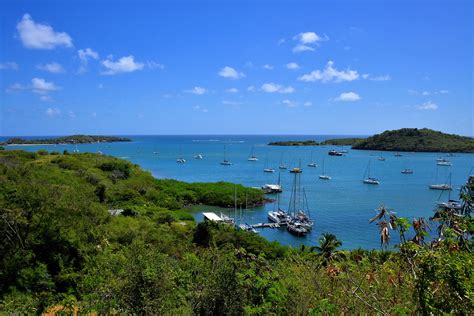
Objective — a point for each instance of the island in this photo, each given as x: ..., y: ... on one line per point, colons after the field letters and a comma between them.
x: 417, y: 140
x: 295, y: 143
x: 73, y: 139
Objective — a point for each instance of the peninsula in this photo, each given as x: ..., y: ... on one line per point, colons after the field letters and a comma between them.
x: 73, y: 139
x: 333, y: 141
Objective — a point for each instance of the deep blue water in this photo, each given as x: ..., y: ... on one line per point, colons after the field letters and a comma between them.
x: 341, y: 206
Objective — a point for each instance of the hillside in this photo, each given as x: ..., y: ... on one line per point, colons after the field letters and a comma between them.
x: 417, y: 140
x: 62, y: 250
x: 73, y: 139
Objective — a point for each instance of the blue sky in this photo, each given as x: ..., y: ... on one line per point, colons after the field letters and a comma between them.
x: 228, y: 67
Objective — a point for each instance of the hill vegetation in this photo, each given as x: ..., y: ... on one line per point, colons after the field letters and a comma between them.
x: 334, y: 141
x: 73, y: 139
x: 418, y: 140
x: 63, y: 251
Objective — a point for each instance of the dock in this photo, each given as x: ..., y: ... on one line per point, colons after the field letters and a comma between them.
x: 267, y: 225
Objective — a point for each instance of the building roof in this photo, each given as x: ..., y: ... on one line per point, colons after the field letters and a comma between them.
x: 212, y: 217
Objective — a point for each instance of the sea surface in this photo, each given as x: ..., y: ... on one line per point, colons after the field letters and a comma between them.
x: 341, y: 206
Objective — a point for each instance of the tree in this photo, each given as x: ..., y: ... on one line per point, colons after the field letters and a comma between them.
x: 328, y: 243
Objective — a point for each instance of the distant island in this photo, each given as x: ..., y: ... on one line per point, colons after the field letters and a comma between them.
x: 405, y: 139
x: 73, y: 139
x: 417, y: 140
x: 333, y: 141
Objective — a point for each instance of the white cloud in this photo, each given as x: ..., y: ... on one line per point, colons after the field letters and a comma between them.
x: 199, y: 108
x: 292, y: 66
x: 251, y: 88
x: 41, y: 86
x: 46, y: 98
x: 330, y: 74
x: 427, y: 93
x: 197, y: 90
x: 273, y: 87
x: 376, y: 78
x: 53, y: 68
x: 281, y: 41
x: 289, y: 103
x: 123, y: 65
x: 154, y: 65
x: 41, y: 36
x: 232, y: 90
x: 308, y: 103
x: 85, y: 55
x: 226, y: 102
x: 307, y: 41
x: 267, y: 67
x: 71, y: 114
x: 9, y: 65
x: 427, y: 106
x: 52, y: 112
x: 443, y: 91
x: 348, y: 97
x: 231, y: 73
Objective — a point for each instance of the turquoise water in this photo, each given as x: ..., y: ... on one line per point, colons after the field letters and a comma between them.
x: 341, y: 206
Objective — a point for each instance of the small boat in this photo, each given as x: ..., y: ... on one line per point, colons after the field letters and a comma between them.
x: 198, y: 156
x: 334, y: 153
x: 398, y: 155
x: 312, y: 163
x: 407, y: 171
x: 443, y: 162
x: 296, y: 170
x: 252, y: 157
x: 441, y: 187
x: 440, y: 159
x: 155, y: 153
x: 369, y: 179
x: 227, y: 219
x: 324, y: 176
x: 272, y: 188
x: 282, y: 165
x: 248, y: 227
x: 225, y: 162
x: 381, y: 158
x: 181, y: 160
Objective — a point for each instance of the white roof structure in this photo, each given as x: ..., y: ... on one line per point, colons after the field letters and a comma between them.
x: 210, y: 216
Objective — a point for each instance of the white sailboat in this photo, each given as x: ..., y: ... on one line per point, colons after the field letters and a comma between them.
x: 266, y: 168
x: 312, y: 163
x: 282, y: 165
x: 443, y: 162
x: 252, y: 157
x: 198, y: 156
x: 324, y: 176
x: 368, y: 179
x: 225, y: 162
x: 442, y: 186
x: 180, y: 158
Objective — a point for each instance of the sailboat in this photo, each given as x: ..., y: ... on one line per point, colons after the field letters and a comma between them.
x: 252, y: 156
x: 278, y: 215
x: 312, y: 163
x: 324, y: 176
x: 225, y: 162
x: 369, y: 179
x: 443, y: 186
x: 282, y: 165
x: 301, y: 222
x: 198, y: 156
x: 407, y: 171
x: 443, y: 162
x: 245, y: 226
x: 180, y: 159
x: 267, y: 169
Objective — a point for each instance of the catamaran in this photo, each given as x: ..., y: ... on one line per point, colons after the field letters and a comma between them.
x: 367, y: 178
x: 300, y: 223
x: 198, y: 156
x: 324, y: 176
x: 407, y: 171
x: 332, y: 152
x: 225, y: 162
x: 252, y: 156
x: 312, y: 163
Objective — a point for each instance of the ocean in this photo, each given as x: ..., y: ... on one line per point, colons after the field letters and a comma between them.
x: 341, y: 206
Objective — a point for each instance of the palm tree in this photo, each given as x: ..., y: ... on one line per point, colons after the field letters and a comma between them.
x: 328, y: 243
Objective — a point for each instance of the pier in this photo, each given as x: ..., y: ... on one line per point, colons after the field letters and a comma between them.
x: 267, y: 225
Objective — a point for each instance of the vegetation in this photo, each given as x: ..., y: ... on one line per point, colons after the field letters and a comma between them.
x: 74, y: 139
x: 63, y: 251
x: 342, y: 141
x: 420, y: 140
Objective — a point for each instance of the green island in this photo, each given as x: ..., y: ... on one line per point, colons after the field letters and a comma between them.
x: 333, y: 141
x: 73, y: 139
x: 66, y: 250
x: 295, y: 143
x: 417, y: 140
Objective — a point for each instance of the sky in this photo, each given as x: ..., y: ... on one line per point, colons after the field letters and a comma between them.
x: 235, y: 67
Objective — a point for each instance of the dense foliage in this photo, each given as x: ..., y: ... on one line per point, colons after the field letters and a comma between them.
x: 333, y: 141
x: 295, y: 143
x: 342, y: 141
x: 73, y: 139
x: 62, y: 251
x: 413, y: 139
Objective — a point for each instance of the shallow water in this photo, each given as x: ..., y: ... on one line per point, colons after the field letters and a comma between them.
x: 341, y: 206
